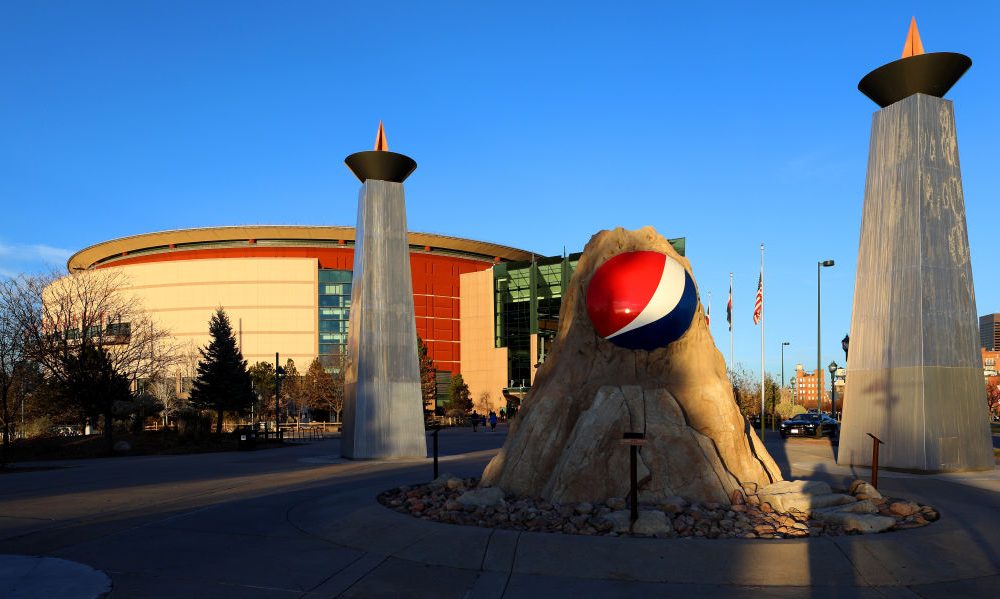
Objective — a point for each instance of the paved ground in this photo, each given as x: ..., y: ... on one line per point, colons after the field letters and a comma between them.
x: 300, y: 522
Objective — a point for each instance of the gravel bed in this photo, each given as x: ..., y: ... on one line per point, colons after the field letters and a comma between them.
x: 439, y: 501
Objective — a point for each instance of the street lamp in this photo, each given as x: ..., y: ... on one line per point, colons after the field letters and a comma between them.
x: 819, y: 367
x: 833, y: 388
x: 783, y: 344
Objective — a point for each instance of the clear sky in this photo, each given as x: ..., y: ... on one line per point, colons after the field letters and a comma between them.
x: 534, y: 124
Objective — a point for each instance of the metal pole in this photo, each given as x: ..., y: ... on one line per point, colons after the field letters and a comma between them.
x: 783, y: 366
x: 277, y: 394
x: 634, y: 480
x: 762, y: 342
x: 435, y: 435
x: 833, y: 393
x: 875, y: 443
x: 819, y: 390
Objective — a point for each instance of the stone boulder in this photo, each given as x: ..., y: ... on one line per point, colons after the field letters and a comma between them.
x: 484, y: 497
x: 565, y: 444
x: 801, y: 495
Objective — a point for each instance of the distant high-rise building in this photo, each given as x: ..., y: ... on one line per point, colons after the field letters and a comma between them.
x: 809, y: 388
x: 989, y: 332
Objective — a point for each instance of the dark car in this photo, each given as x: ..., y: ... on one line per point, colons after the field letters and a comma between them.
x: 809, y: 425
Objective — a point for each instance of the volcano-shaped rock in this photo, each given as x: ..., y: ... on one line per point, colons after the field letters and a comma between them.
x: 565, y: 444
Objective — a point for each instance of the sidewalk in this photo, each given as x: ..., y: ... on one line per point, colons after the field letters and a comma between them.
x: 298, y: 522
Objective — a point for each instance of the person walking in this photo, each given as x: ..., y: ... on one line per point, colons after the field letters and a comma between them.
x: 493, y: 422
x: 475, y: 421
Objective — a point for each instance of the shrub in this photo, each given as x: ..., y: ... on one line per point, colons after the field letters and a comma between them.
x: 193, y: 423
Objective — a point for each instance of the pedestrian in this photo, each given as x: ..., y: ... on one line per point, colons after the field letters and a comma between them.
x: 493, y: 421
x: 475, y: 420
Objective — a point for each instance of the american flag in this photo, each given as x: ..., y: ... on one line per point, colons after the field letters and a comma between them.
x: 758, y: 304
x: 729, y: 306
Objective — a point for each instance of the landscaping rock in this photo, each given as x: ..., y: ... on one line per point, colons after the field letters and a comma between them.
x: 903, y: 508
x: 442, y: 480
x: 800, y: 495
x: 863, y: 523
x: 860, y: 487
x: 615, y: 503
x: 122, y: 446
x: 651, y: 522
x: 620, y: 520
x: 483, y: 497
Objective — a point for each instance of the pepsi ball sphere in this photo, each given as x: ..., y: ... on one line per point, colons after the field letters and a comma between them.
x: 641, y: 300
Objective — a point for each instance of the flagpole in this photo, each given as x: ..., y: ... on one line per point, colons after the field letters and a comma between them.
x: 762, y: 342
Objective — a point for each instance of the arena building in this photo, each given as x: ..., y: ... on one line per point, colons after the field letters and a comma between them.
x: 487, y: 311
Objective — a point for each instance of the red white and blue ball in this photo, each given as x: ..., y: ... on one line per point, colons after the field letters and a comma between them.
x: 641, y: 300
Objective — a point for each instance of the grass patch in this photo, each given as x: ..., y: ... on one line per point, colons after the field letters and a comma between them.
x: 163, y: 442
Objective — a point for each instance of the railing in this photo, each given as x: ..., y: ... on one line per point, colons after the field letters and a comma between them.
x: 309, y: 431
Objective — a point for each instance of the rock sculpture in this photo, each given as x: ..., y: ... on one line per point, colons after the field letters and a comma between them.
x: 564, y: 445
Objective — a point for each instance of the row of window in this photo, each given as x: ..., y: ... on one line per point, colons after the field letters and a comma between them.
x: 118, y: 329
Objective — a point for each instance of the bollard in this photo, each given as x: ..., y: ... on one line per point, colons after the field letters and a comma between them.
x: 435, y: 435
x: 634, y: 441
x: 875, y: 443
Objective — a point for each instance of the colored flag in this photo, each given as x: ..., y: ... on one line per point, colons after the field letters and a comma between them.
x: 708, y: 314
x: 729, y: 306
x: 758, y: 304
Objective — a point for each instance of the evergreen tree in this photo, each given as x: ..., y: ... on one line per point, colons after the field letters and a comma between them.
x: 94, y: 385
x: 428, y: 377
x: 223, y: 382
x: 461, y: 398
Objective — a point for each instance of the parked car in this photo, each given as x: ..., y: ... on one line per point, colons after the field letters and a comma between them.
x: 809, y: 425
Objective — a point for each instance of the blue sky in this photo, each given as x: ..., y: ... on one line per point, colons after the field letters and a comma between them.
x: 534, y: 124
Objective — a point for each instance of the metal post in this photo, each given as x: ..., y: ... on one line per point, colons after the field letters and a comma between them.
x: 435, y: 435
x: 875, y: 443
x: 783, y: 344
x: 762, y: 399
x: 634, y: 480
x: 819, y: 361
x: 277, y: 393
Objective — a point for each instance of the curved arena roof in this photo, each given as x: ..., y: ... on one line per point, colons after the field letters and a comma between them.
x: 107, y: 253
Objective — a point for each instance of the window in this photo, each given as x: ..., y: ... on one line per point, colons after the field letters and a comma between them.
x: 334, y: 314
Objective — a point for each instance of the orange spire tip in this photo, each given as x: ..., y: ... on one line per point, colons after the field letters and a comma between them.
x: 381, y: 145
x: 913, y: 45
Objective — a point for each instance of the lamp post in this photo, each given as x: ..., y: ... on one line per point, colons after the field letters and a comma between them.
x: 783, y: 344
x: 833, y: 388
x: 819, y: 368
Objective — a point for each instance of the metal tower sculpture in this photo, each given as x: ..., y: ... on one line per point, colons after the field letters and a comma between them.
x: 383, y: 407
x: 915, y: 377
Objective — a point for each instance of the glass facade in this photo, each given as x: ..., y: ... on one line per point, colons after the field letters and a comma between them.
x: 334, y: 313
x: 528, y: 296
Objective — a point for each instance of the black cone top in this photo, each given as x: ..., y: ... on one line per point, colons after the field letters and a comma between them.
x: 933, y: 74
x: 380, y: 165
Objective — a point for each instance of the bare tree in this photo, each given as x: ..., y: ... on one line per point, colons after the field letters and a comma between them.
x: 12, y: 358
x: 321, y: 390
x: 63, y: 316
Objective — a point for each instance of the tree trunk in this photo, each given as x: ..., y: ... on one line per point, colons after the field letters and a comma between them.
x: 218, y: 424
x: 108, y: 433
x: 6, y: 429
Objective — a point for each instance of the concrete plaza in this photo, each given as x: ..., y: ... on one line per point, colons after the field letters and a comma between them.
x: 301, y: 522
